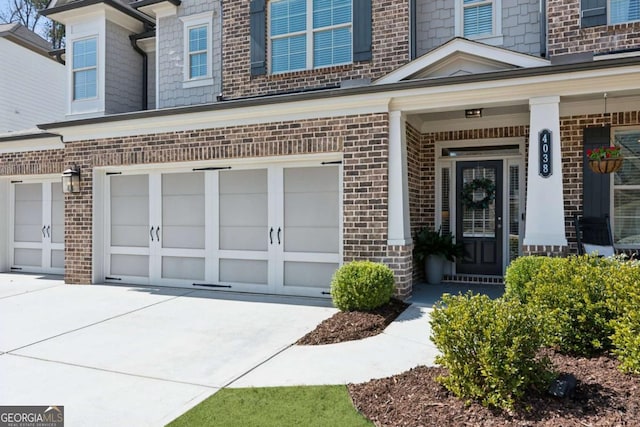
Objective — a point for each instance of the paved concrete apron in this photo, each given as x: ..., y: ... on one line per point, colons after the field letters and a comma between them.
x: 135, y: 356
x: 403, y: 345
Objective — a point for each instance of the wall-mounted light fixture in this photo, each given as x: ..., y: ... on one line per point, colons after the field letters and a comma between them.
x: 473, y: 113
x: 71, y: 180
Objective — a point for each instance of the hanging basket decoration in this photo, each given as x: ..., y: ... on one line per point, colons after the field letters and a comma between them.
x: 606, y: 165
x: 478, y: 185
x: 605, y: 159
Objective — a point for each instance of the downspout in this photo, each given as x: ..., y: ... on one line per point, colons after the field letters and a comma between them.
x: 543, y: 28
x: 413, y: 32
x: 57, y: 54
x: 145, y: 66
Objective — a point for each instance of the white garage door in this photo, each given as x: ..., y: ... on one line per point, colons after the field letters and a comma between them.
x: 271, y: 229
x: 37, y: 242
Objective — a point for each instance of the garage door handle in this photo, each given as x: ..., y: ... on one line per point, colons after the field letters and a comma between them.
x: 279, y: 230
x: 48, y: 231
x: 158, y: 233
x: 151, y: 233
x: 271, y: 236
x: 43, y: 228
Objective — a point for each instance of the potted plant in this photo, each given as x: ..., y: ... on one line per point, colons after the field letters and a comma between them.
x: 605, y: 159
x: 432, y: 248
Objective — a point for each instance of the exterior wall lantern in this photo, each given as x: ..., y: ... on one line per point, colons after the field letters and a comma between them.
x: 473, y: 113
x: 71, y: 180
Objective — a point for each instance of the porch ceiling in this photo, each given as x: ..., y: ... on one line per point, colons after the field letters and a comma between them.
x: 517, y: 113
x: 459, y: 114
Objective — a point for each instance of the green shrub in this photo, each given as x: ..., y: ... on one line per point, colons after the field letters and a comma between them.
x: 489, y: 347
x: 519, y: 275
x: 362, y: 285
x: 571, y: 296
x: 624, y: 302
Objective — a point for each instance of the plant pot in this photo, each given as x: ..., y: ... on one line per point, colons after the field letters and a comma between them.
x: 606, y: 165
x: 434, y: 269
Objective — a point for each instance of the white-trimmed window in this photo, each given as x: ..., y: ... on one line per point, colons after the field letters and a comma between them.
x: 479, y: 19
x: 85, y: 69
x: 198, y: 49
x: 626, y: 190
x: 307, y: 34
x: 198, y: 52
x: 622, y: 11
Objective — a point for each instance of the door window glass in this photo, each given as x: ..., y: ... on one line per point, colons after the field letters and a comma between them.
x: 478, y: 221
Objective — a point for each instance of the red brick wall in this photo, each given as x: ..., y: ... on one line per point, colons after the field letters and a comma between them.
x: 390, y: 41
x: 566, y: 36
x: 362, y: 140
x: 422, y: 184
x: 415, y: 160
x: 32, y: 163
x: 417, y: 188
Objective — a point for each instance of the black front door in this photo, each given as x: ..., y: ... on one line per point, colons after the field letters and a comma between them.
x: 479, y: 216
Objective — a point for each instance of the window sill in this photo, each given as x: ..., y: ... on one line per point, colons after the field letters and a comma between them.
x: 197, y: 83
x: 312, y: 71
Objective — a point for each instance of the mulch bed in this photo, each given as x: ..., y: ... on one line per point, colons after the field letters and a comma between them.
x: 604, y: 397
x: 354, y: 325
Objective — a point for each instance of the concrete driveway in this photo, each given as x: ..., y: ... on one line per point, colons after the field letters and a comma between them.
x: 117, y: 355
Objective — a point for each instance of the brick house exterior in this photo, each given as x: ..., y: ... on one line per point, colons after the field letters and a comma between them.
x: 393, y: 127
x: 390, y: 49
x: 567, y: 35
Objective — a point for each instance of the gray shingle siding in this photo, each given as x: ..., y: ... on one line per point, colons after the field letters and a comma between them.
x: 435, y: 25
x: 521, y: 26
x: 170, y: 35
x: 123, y: 73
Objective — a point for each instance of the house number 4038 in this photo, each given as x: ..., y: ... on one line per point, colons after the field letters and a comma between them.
x: 544, y: 138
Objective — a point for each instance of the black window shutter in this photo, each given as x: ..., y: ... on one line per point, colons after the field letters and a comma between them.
x: 361, y: 30
x: 593, y: 12
x: 258, y: 34
x: 596, y: 187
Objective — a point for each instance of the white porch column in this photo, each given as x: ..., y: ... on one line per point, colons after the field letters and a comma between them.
x: 544, y: 224
x: 399, y: 231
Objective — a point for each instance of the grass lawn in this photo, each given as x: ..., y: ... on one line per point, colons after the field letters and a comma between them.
x: 275, y: 406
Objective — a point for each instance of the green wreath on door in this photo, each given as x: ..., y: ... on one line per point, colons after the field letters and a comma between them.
x: 487, y: 186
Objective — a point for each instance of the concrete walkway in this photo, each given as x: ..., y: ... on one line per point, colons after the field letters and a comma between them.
x: 117, y: 355
x: 403, y: 345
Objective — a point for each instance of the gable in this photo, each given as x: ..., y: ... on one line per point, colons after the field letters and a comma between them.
x: 460, y: 56
x: 458, y: 64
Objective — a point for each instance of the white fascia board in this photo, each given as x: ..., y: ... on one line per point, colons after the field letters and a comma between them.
x: 34, y: 144
x: 317, y: 109
x: 159, y: 10
x: 439, y: 98
x: 75, y: 16
x: 459, y: 45
x: 421, y: 99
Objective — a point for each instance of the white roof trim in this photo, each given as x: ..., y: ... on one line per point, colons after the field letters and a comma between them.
x: 431, y: 98
x: 32, y: 144
x: 462, y: 45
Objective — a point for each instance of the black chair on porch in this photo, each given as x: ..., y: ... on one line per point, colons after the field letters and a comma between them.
x: 594, y: 235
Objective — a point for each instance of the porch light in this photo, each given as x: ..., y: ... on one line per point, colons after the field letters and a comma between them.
x: 71, y: 180
x: 473, y: 113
